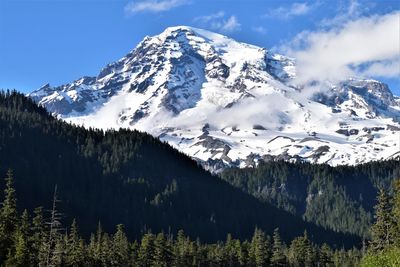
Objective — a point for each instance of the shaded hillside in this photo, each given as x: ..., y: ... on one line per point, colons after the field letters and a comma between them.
x: 339, y: 198
x: 128, y: 177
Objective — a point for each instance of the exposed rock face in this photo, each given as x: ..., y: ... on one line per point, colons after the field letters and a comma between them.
x: 227, y: 103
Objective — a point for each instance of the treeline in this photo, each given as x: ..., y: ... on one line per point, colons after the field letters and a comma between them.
x: 44, y: 241
x: 130, y: 178
x: 339, y: 198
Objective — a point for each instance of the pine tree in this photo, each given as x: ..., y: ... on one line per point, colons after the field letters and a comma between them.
x: 310, y: 252
x: 20, y: 252
x: 120, y: 248
x: 74, y: 250
x: 22, y: 244
x: 301, y: 252
x: 160, y: 257
x: 134, y: 254
x: 259, y: 250
x: 396, y: 212
x: 95, y: 247
x: 37, y: 238
x: 57, y: 256
x: 325, y: 256
x: 181, y: 257
x: 231, y: 251
x: 146, y: 250
x: 8, y: 217
x: 382, y: 229
x: 278, y: 257
x: 106, y: 253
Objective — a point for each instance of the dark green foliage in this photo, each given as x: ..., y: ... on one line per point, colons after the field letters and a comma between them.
x: 130, y: 178
x: 278, y: 258
x: 8, y: 218
x: 384, y: 248
x: 338, y: 198
x: 70, y: 249
x: 396, y: 213
x: 382, y: 230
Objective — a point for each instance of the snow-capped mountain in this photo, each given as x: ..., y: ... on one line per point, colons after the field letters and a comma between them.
x: 227, y: 103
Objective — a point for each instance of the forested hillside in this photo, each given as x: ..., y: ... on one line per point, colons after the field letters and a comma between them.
x: 128, y: 177
x: 42, y: 240
x: 339, y: 198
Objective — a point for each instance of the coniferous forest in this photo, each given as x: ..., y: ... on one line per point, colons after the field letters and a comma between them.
x: 44, y: 241
x: 79, y: 197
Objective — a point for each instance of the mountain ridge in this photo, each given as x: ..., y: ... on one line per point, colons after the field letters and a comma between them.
x: 226, y: 103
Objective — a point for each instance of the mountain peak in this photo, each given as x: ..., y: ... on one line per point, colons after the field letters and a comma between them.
x: 227, y: 103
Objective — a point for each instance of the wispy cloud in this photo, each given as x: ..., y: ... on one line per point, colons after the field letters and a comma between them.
x: 211, y: 17
x: 219, y: 22
x: 154, y: 6
x: 287, y: 12
x: 367, y: 46
x: 348, y: 10
x: 260, y: 29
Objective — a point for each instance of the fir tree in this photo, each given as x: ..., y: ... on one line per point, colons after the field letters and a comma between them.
x: 382, y: 230
x: 180, y: 250
x: 325, y: 256
x: 146, y: 250
x: 120, y: 247
x: 259, y: 250
x: 74, y: 250
x: 37, y: 238
x: 396, y: 212
x: 278, y: 257
x: 106, y: 248
x: 161, y: 257
x: 8, y: 217
x: 20, y: 252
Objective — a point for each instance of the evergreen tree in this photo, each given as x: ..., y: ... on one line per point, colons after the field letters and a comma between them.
x: 382, y: 229
x: 74, y: 251
x: 106, y: 253
x: 231, y: 251
x: 325, y: 256
x: 38, y: 239
x: 19, y: 255
x: 161, y: 257
x: 396, y: 212
x: 278, y: 257
x: 301, y: 252
x: 8, y: 217
x: 259, y: 249
x: 181, y: 257
x: 146, y: 250
x: 97, y: 246
x: 120, y: 247
x: 57, y: 256
x: 20, y: 252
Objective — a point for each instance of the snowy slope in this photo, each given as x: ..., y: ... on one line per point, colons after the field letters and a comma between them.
x: 227, y: 103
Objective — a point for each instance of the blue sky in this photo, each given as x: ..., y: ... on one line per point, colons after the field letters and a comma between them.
x: 57, y: 41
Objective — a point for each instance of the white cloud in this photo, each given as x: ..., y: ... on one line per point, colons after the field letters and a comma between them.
x: 388, y: 69
x: 211, y: 17
x: 219, y: 22
x: 259, y: 29
x: 230, y: 25
x: 351, y: 9
x: 154, y: 6
x: 366, y: 46
x: 296, y: 9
